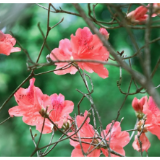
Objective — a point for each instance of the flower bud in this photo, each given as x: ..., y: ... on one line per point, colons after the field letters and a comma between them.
x: 138, y: 104
x: 138, y: 15
x: 140, y: 126
x: 104, y: 32
x: 66, y: 125
x: 43, y: 113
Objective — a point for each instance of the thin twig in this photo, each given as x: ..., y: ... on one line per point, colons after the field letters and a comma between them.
x: 5, y: 120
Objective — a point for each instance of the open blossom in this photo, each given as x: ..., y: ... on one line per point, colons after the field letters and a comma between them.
x: 87, y: 130
x: 152, y: 113
x: 32, y: 104
x: 6, y: 44
x: 118, y: 140
x: 144, y: 140
x: 64, y: 52
x: 84, y: 45
x: 138, y: 15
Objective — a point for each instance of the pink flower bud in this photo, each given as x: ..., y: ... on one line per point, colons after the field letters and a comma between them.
x: 138, y: 104
x: 138, y: 15
x: 104, y: 32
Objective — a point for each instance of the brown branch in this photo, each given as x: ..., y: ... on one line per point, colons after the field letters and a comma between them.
x: 5, y: 120
x: 7, y: 100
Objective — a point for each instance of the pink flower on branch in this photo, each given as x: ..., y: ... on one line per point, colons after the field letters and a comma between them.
x: 138, y: 15
x: 6, y: 44
x: 91, y: 144
x: 61, y: 109
x: 144, y: 140
x: 64, y: 52
x: 152, y: 113
x: 32, y: 105
x: 83, y: 46
x: 86, y: 131
x: 118, y: 139
x: 86, y: 45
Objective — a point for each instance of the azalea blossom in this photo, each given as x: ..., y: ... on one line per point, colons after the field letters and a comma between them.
x: 86, y: 45
x: 118, y: 139
x: 32, y: 105
x: 86, y: 130
x: 144, y: 140
x: 149, y: 109
x: 64, y: 52
x: 138, y: 15
x: 90, y: 143
x: 6, y: 44
x: 152, y: 113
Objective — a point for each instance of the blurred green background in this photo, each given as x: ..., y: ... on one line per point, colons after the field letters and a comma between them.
x: 15, y: 139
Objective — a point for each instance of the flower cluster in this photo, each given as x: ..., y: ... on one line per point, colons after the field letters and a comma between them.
x: 91, y: 144
x: 85, y: 51
x: 48, y: 113
x: 34, y: 106
x: 149, y: 120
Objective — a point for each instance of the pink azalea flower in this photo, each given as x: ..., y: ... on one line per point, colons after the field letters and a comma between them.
x: 145, y: 143
x: 6, y: 44
x: 118, y: 140
x: 86, y: 131
x: 32, y: 104
x: 85, y: 45
x: 64, y: 52
x: 152, y: 113
x: 61, y: 109
x: 138, y: 104
x: 138, y: 15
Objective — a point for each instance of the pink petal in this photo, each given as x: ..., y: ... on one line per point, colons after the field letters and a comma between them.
x: 77, y: 152
x: 15, y: 111
x: 15, y: 49
x: 47, y: 127
x: 100, y: 70
x: 64, y: 52
x: 69, y: 105
x: 145, y: 143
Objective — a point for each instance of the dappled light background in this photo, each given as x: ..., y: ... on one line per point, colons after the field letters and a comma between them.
x: 22, y: 20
